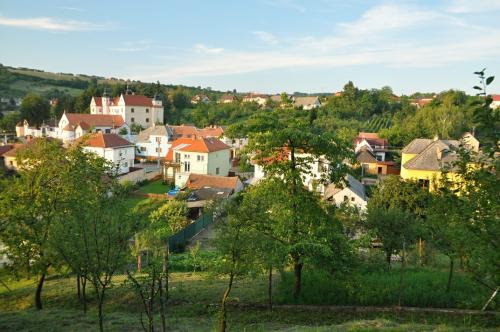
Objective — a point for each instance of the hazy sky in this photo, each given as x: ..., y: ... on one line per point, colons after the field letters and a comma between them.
x: 261, y: 45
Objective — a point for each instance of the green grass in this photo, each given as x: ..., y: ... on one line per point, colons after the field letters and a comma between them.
x: 154, y: 187
x: 194, y: 298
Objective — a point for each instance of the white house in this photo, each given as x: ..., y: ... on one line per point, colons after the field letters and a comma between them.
x: 307, y: 103
x: 153, y: 143
x: 199, y: 156
x: 495, y: 103
x: 113, y: 148
x: 373, y: 143
x: 260, y: 99
x: 200, y: 99
x: 75, y: 125
x: 353, y: 193
x: 134, y: 109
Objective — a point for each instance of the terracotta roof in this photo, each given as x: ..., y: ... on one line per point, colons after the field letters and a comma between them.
x: 211, y: 132
x: 495, y: 97
x: 185, y: 131
x: 5, y: 148
x: 372, y: 138
x: 201, y: 145
x: 137, y: 100
x: 95, y: 120
x: 100, y: 140
x: 84, y: 125
x: 97, y: 100
x: 197, y: 181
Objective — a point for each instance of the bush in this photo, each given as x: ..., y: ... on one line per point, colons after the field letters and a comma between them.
x: 184, y: 262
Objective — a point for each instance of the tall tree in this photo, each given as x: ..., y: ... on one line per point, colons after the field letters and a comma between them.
x: 35, y: 109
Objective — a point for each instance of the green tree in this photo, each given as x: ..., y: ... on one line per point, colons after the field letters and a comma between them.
x: 35, y: 109
x: 29, y: 205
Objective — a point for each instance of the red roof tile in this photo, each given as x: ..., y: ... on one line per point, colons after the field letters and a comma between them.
x: 201, y: 145
x: 197, y: 181
x: 95, y: 120
x: 100, y: 140
x: 495, y: 97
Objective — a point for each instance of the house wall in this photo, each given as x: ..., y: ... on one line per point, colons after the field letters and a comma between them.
x: 406, y: 156
x: 121, y: 156
x: 221, y: 160
x: 352, y: 198
x: 151, y: 146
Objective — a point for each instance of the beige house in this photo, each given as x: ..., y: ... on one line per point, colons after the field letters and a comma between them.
x: 134, y: 109
x: 203, y: 155
x: 307, y: 103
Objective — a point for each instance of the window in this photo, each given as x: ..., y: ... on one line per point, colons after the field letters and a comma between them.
x: 158, y: 149
x: 186, y: 156
x: 147, y: 110
x: 177, y: 157
x: 143, y: 148
x: 187, y: 166
x: 158, y: 139
x: 379, y: 170
x: 346, y: 198
x: 132, y: 120
x: 132, y: 110
x: 200, y: 158
x: 217, y: 171
x: 423, y: 183
x: 147, y: 119
x: 352, y: 199
x: 107, y: 131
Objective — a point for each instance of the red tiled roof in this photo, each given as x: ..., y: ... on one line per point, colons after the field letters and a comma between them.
x: 98, y: 101
x: 5, y: 148
x: 95, y: 120
x: 372, y: 139
x: 100, y: 140
x: 211, y: 132
x: 185, y: 131
x: 197, y: 181
x: 495, y: 97
x: 201, y: 145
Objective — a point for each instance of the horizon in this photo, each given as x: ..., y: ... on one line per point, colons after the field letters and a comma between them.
x: 409, y: 46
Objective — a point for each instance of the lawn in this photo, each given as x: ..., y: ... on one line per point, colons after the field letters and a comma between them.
x: 154, y: 187
x: 193, y: 305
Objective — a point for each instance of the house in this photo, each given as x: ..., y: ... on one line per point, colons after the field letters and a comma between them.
x: 134, y: 109
x: 353, y: 193
x: 495, y: 103
x: 3, y: 149
x: 153, y: 143
x: 260, y: 99
x: 370, y: 165
x: 200, y: 99
x: 184, y: 131
x: 117, y: 150
x: 227, y: 98
x: 198, y: 181
x: 75, y: 125
x: 421, y: 102
x: 198, y: 155
x: 373, y: 143
x: 423, y: 159
x: 307, y: 103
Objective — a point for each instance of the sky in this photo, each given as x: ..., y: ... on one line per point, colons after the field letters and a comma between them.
x: 267, y: 46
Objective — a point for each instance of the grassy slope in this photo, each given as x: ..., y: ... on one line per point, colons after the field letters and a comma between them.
x: 193, y: 301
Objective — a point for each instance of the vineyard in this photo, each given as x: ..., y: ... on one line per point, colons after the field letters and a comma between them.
x: 376, y: 123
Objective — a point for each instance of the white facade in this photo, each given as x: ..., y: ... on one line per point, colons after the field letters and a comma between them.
x: 350, y: 197
x: 209, y: 163
x: 122, y: 157
x: 134, y: 109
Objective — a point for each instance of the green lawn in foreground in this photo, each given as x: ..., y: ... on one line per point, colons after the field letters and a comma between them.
x: 194, y: 298
x: 155, y: 187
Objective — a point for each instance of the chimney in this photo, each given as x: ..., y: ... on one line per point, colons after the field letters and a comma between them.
x: 439, y: 153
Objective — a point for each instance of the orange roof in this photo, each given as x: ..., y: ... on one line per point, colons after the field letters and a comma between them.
x: 5, y: 148
x: 100, y: 140
x: 211, y: 132
x: 98, y: 101
x: 135, y: 100
x: 197, y: 181
x: 495, y: 97
x: 201, y: 145
x: 184, y: 131
x: 95, y: 120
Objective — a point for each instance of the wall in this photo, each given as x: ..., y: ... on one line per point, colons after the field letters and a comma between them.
x: 352, y: 198
x: 220, y: 159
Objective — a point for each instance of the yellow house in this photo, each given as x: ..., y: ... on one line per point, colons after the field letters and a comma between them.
x: 423, y: 159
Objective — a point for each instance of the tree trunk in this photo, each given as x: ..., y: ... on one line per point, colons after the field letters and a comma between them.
x: 164, y: 287
x: 450, y: 276
x: 78, y: 288
x: 38, y: 293
x: 84, y: 294
x: 270, y: 288
x: 139, y: 262
x: 100, y: 298
x: 388, y: 255
x: 403, y: 262
x: 297, y: 269
x: 223, y: 313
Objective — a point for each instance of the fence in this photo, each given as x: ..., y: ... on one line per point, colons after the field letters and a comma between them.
x: 178, y: 241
